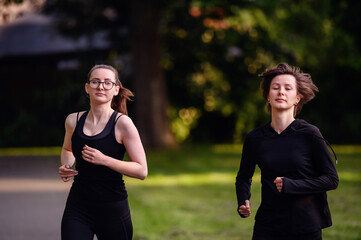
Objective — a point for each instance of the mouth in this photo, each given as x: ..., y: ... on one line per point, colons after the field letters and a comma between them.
x: 280, y: 100
x: 100, y: 94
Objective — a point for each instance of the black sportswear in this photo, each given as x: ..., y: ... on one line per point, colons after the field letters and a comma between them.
x: 300, y: 155
x: 97, y: 202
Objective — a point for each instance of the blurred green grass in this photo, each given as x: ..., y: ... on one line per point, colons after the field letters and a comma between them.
x: 30, y: 151
x: 190, y: 194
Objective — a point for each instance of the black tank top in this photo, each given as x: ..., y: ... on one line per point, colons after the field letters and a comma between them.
x: 94, y: 182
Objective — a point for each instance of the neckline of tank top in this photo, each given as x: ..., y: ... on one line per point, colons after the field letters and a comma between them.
x: 100, y: 134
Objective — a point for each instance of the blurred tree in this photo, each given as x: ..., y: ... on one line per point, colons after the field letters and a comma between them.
x: 152, y: 102
x: 12, y: 9
x: 206, y: 54
x: 215, y: 51
x: 213, y: 54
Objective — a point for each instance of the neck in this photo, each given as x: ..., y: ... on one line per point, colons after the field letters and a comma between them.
x: 98, y: 113
x: 281, y: 120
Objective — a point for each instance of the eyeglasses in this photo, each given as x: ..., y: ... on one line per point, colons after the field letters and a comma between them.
x: 107, y: 85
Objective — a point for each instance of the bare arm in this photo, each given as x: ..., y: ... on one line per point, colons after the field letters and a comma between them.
x: 67, y: 158
x: 137, y: 166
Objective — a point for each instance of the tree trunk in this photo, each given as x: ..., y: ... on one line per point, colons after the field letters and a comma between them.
x: 150, y: 91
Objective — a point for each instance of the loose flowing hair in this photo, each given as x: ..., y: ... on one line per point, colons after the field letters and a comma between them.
x: 305, y: 86
x: 119, y: 102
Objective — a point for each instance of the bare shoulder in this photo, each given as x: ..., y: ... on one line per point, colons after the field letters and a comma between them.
x: 71, y: 119
x: 124, y: 121
x: 125, y: 124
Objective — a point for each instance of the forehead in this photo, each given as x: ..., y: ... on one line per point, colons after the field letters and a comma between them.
x: 284, y: 79
x: 102, y: 73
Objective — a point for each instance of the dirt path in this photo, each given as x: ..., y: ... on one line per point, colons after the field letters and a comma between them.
x: 32, y: 198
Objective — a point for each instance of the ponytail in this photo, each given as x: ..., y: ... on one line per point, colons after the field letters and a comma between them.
x: 119, y: 102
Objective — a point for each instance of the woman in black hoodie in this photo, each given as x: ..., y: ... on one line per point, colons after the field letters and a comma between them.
x: 296, y: 166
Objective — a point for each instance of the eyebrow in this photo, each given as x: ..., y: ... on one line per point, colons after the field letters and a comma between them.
x: 105, y: 79
x: 278, y: 84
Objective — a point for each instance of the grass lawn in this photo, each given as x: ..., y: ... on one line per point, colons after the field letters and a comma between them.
x: 190, y: 194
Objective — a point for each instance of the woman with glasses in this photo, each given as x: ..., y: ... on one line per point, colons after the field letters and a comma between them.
x: 95, y: 142
x: 296, y: 166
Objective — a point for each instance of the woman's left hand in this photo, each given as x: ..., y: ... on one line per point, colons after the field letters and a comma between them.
x: 279, y: 183
x: 93, y: 155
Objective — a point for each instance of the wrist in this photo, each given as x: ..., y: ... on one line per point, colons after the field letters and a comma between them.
x: 107, y: 161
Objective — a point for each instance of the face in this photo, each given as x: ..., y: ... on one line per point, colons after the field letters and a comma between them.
x: 283, y: 94
x: 99, y: 92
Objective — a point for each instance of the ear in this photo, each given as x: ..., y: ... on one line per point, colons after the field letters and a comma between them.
x: 117, y: 88
x: 298, y: 98
x: 86, y: 88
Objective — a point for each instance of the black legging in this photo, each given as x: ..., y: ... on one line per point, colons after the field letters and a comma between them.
x: 108, y: 221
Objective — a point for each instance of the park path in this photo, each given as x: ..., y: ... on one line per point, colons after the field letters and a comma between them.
x: 32, y: 198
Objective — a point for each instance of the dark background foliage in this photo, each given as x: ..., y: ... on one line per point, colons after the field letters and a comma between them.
x: 210, y: 55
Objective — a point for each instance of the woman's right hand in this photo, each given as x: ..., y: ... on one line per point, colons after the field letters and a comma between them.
x: 245, y: 210
x: 66, y: 173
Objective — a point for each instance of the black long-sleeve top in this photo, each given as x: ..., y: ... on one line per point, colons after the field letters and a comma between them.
x: 300, y: 155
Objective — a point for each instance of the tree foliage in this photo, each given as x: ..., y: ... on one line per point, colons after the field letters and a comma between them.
x: 215, y: 52
x: 211, y: 52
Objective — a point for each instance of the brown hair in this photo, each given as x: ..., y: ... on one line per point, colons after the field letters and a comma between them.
x: 119, y: 102
x: 305, y: 87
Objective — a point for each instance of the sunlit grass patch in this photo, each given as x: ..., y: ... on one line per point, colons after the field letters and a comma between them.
x: 350, y: 176
x: 347, y: 149
x: 187, y: 179
x: 30, y: 151
x: 227, y: 148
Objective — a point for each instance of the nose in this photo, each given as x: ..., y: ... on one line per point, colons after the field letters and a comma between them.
x: 101, y: 85
x: 281, y: 91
